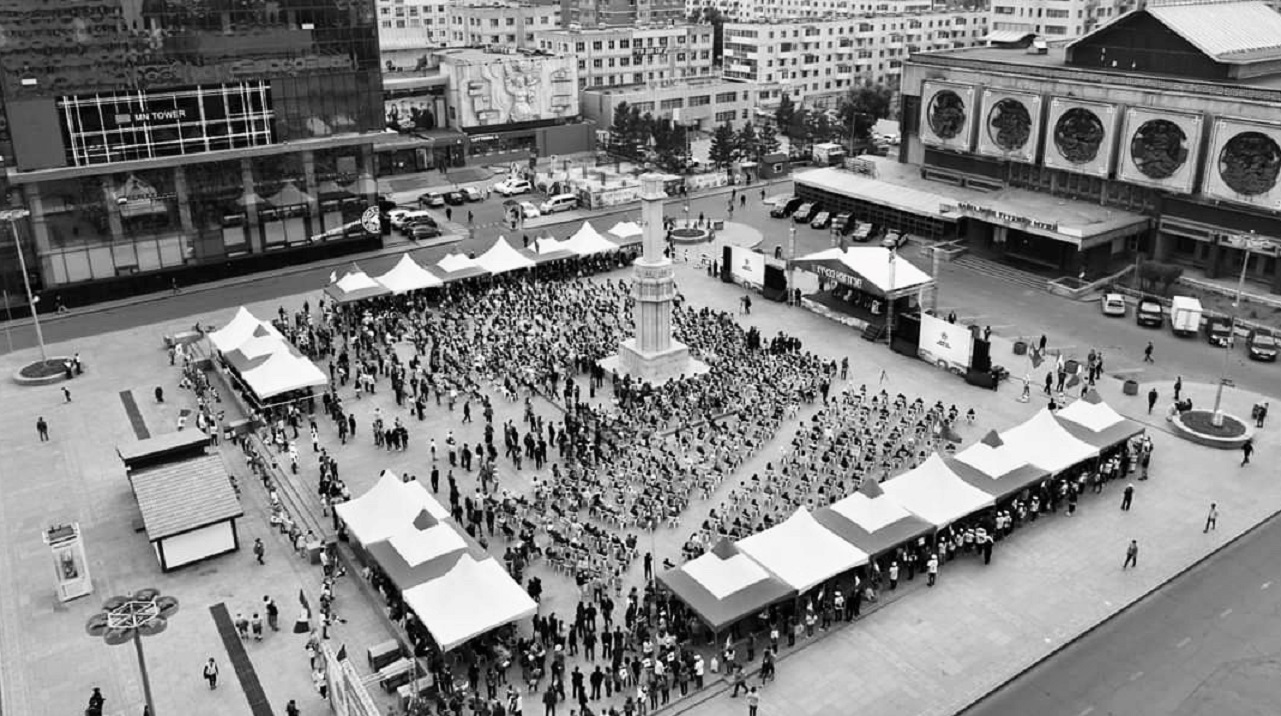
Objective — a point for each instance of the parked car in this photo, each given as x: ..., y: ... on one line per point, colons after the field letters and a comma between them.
x: 843, y: 221
x: 860, y: 231
x: 415, y: 217
x: 455, y: 198
x: 1149, y: 312
x: 894, y: 240
x: 560, y: 202
x: 423, y: 231
x: 806, y: 212
x: 471, y: 193
x: 1262, y: 345
x: 1113, y: 304
x: 1218, y: 331
x: 821, y: 220
x: 786, y: 207
x: 528, y: 210
x: 512, y: 187
x: 431, y: 199
x: 397, y: 217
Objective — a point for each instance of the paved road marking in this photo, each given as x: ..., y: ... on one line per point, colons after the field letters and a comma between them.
x: 1225, y: 612
x: 1186, y: 640
x: 1265, y: 585
x: 1088, y: 710
x: 1136, y: 676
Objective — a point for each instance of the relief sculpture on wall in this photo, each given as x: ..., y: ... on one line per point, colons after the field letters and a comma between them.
x: 1009, y: 124
x: 1079, y: 135
x: 1249, y: 163
x: 946, y: 114
x: 1158, y: 148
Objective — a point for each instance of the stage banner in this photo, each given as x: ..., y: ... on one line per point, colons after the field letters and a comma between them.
x: 944, y: 344
x: 748, y: 266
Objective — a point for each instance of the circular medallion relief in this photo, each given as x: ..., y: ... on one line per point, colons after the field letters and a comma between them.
x: 1078, y: 135
x: 946, y: 114
x: 1249, y: 163
x: 1158, y: 148
x: 1009, y: 124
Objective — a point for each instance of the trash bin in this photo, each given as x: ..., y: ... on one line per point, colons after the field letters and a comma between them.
x: 1020, y: 348
x: 1071, y: 365
x: 1131, y: 387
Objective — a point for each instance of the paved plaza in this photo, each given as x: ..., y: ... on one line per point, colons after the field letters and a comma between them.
x: 926, y: 652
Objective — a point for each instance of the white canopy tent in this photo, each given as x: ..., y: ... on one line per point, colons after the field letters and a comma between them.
x: 936, y: 494
x: 386, y: 508
x: 503, y: 257
x: 472, y: 598
x: 588, y: 241
x: 549, y: 245
x: 1094, y: 422
x: 801, y: 552
x: 243, y: 326
x: 723, y: 577
x: 281, y: 373
x: 355, y: 285
x: 263, y: 345
x: 886, y: 271
x: 418, y: 546
x: 408, y: 276
x: 626, y: 230
x: 1095, y: 417
x: 460, y: 264
x: 1042, y: 442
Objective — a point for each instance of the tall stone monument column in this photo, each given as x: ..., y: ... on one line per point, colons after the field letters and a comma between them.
x: 653, y: 355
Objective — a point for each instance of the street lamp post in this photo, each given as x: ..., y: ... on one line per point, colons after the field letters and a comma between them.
x: 1246, y: 243
x: 129, y: 618
x: 10, y: 216
x: 791, y: 261
x: 889, y: 301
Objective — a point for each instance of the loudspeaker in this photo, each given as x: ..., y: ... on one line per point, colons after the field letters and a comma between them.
x: 775, y: 288
x: 981, y: 361
x: 727, y: 263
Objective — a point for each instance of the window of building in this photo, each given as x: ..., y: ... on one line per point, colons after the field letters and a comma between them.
x: 596, y: 45
x: 675, y: 103
x: 624, y: 44
x: 726, y: 116
x: 596, y: 63
x: 724, y: 97
x: 700, y: 100
x: 579, y: 47
x: 1055, y: 30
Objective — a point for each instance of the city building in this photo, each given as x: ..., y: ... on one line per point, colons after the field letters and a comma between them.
x: 407, y: 27
x: 818, y: 61
x: 758, y: 10
x: 1011, y: 20
x: 609, y: 13
x: 183, y: 141
x: 500, y: 24
x: 634, y: 55
x: 472, y: 106
x: 702, y: 104
x: 1158, y: 132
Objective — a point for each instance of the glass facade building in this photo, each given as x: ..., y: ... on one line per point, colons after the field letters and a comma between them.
x: 158, y: 138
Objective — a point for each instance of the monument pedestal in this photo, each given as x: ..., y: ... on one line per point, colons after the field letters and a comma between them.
x: 654, y: 368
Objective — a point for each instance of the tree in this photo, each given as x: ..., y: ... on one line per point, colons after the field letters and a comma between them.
x: 748, y: 143
x: 785, y: 115
x: 766, y: 143
x: 626, y: 135
x: 798, y: 132
x: 859, y: 110
x: 670, y: 144
x: 723, y: 151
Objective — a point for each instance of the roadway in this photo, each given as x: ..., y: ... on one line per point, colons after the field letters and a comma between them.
x: 1010, y: 309
x: 1207, y: 643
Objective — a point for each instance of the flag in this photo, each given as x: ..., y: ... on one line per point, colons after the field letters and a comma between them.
x: 342, y: 653
x: 871, y: 488
x: 1036, y: 358
x: 333, y: 277
x: 302, y: 599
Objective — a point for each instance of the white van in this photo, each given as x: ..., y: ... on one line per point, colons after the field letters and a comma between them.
x: 560, y: 202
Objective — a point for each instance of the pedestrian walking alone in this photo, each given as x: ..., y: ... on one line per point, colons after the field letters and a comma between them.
x: 1131, y: 555
x: 1178, y: 387
x: 1147, y: 353
x: 211, y: 673
x: 1127, y: 497
x: 753, y: 702
x: 1152, y: 396
x: 932, y: 569
x: 273, y: 613
x: 66, y: 394
x: 259, y: 550
x: 96, y: 700
x: 1260, y: 414
x: 42, y: 429
x: 1247, y: 449
x: 1211, y: 518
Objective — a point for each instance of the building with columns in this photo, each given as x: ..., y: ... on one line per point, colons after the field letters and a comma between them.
x: 183, y: 142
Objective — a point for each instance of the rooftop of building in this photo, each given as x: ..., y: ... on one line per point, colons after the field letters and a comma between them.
x: 621, y: 29
x: 846, y: 17
x: 692, y: 83
x: 1229, y: 31
x: 477, y: 55
x: 1056, y: 58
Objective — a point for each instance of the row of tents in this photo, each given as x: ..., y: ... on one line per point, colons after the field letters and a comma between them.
x: 265, y: 363
x: 456, y: 589
x: 408, y: 275
x: 736, y: 580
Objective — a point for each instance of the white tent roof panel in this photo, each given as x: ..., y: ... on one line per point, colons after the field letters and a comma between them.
x: 801, y: 552
x: 469, y: 600
x: 723, y: 577
x: 936, y: 494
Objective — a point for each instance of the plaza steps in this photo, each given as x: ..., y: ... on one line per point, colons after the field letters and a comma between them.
x: 1001, y: 272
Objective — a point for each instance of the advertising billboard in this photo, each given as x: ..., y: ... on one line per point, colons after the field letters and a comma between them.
x: 126, y: 126
x: 748, y: 266
x: 944, y: 344
x: 512, y: 89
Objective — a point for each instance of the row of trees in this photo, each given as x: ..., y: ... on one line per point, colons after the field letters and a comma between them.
x: 746, y: 144
x: 855, y: 116
x: 644, y: 137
